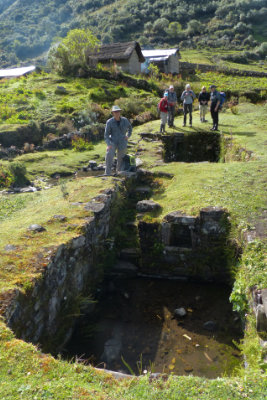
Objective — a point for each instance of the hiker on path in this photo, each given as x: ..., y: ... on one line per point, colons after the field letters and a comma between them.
x: 172, y: 101
x: 118, y: 130
x: 203, y: 99
x: 163, y: 109
x: 215, y: 100
x: 188, y: 97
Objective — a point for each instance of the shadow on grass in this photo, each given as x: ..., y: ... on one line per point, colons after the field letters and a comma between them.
x: 245, y: 133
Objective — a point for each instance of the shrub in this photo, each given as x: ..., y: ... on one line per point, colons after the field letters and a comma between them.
x: 18, y: 172
x: 66, y: 108
x: 101, y: 113
x: 39, y: 94
x: 5, y: 176
x: 103, y: 94
x: 65, y: 127
x: 84, y: 117
x: 80, y: 144
x: 131, y: 106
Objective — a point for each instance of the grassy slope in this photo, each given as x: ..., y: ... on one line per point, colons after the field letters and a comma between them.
x: 34, y: 97
x: 223, y: 184
x: 205, y: 56
x: 25, y: 372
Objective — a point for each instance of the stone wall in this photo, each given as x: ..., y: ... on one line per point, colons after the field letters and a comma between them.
x: 46, y: 313
x: 192, y: 147
x: 190, y: 68
x: 20, y: 135
x: 134, y: 64
x: 173, y: 66
x: 188, y: 246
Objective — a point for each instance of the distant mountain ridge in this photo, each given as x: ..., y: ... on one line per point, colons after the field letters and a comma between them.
x: 28, y: 27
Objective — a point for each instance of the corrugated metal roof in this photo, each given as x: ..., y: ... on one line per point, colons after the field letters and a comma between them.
x: 160, y: 53
x: 13, y: 72
x: 151, y: 59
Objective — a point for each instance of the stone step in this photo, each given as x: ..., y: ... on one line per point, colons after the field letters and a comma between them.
x: 130, y: 254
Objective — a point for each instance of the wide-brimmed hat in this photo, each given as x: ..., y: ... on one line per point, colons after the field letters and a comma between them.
x: 212, y: 87
x: 115, y: 108
x: 171, y: 87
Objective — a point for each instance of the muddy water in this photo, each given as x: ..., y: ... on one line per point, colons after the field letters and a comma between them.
x: 135, y: 322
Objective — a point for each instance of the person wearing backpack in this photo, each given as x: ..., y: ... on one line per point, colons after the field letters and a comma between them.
x: 203, y: 99
x: 188, y: 97
x: 163, y: 109
x: 215, y: 101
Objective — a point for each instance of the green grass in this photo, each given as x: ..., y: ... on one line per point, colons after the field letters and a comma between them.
x: 34, y: 97
x: 26, y: 373
x: 229, y: 185
x: 232, y: 83
x: 206, y: 56
x: 20, y: 211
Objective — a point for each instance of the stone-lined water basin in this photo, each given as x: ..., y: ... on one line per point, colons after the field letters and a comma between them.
x: 135, y: 325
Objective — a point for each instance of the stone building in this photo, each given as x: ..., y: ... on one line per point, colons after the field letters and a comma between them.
x: 126, y: 55
x: 167, y: 60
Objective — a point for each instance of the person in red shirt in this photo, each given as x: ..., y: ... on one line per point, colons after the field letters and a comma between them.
x: 163, y: 108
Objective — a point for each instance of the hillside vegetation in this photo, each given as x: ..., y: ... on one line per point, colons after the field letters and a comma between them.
x: 29, y: 26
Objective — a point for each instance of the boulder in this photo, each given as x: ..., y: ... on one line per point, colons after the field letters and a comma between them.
x: 147, y: 205
x: 36, y: 228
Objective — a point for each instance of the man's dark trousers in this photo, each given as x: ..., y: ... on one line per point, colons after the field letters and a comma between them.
x: 214, y: 115
x: 188, y: 110
x: 171, y: 113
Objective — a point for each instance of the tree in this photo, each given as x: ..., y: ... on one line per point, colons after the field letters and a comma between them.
x: 194, y: 27
x: 174, y: 29
x: 72, y: 50
x: 161, y: 24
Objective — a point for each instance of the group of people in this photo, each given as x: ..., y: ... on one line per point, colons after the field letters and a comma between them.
x: 119, y: 129
x: 168, y: 102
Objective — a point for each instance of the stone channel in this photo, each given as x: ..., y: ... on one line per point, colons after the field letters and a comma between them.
x: 134, y: 295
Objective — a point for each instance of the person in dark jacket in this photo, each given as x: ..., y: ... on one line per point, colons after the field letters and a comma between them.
x: 215, y: 100
x: 203, y: 99
x: 118, y: 130
x: 163, y: 108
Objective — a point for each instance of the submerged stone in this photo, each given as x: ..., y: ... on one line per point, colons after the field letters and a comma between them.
x: 210, y: 326
x: 180, y: 312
